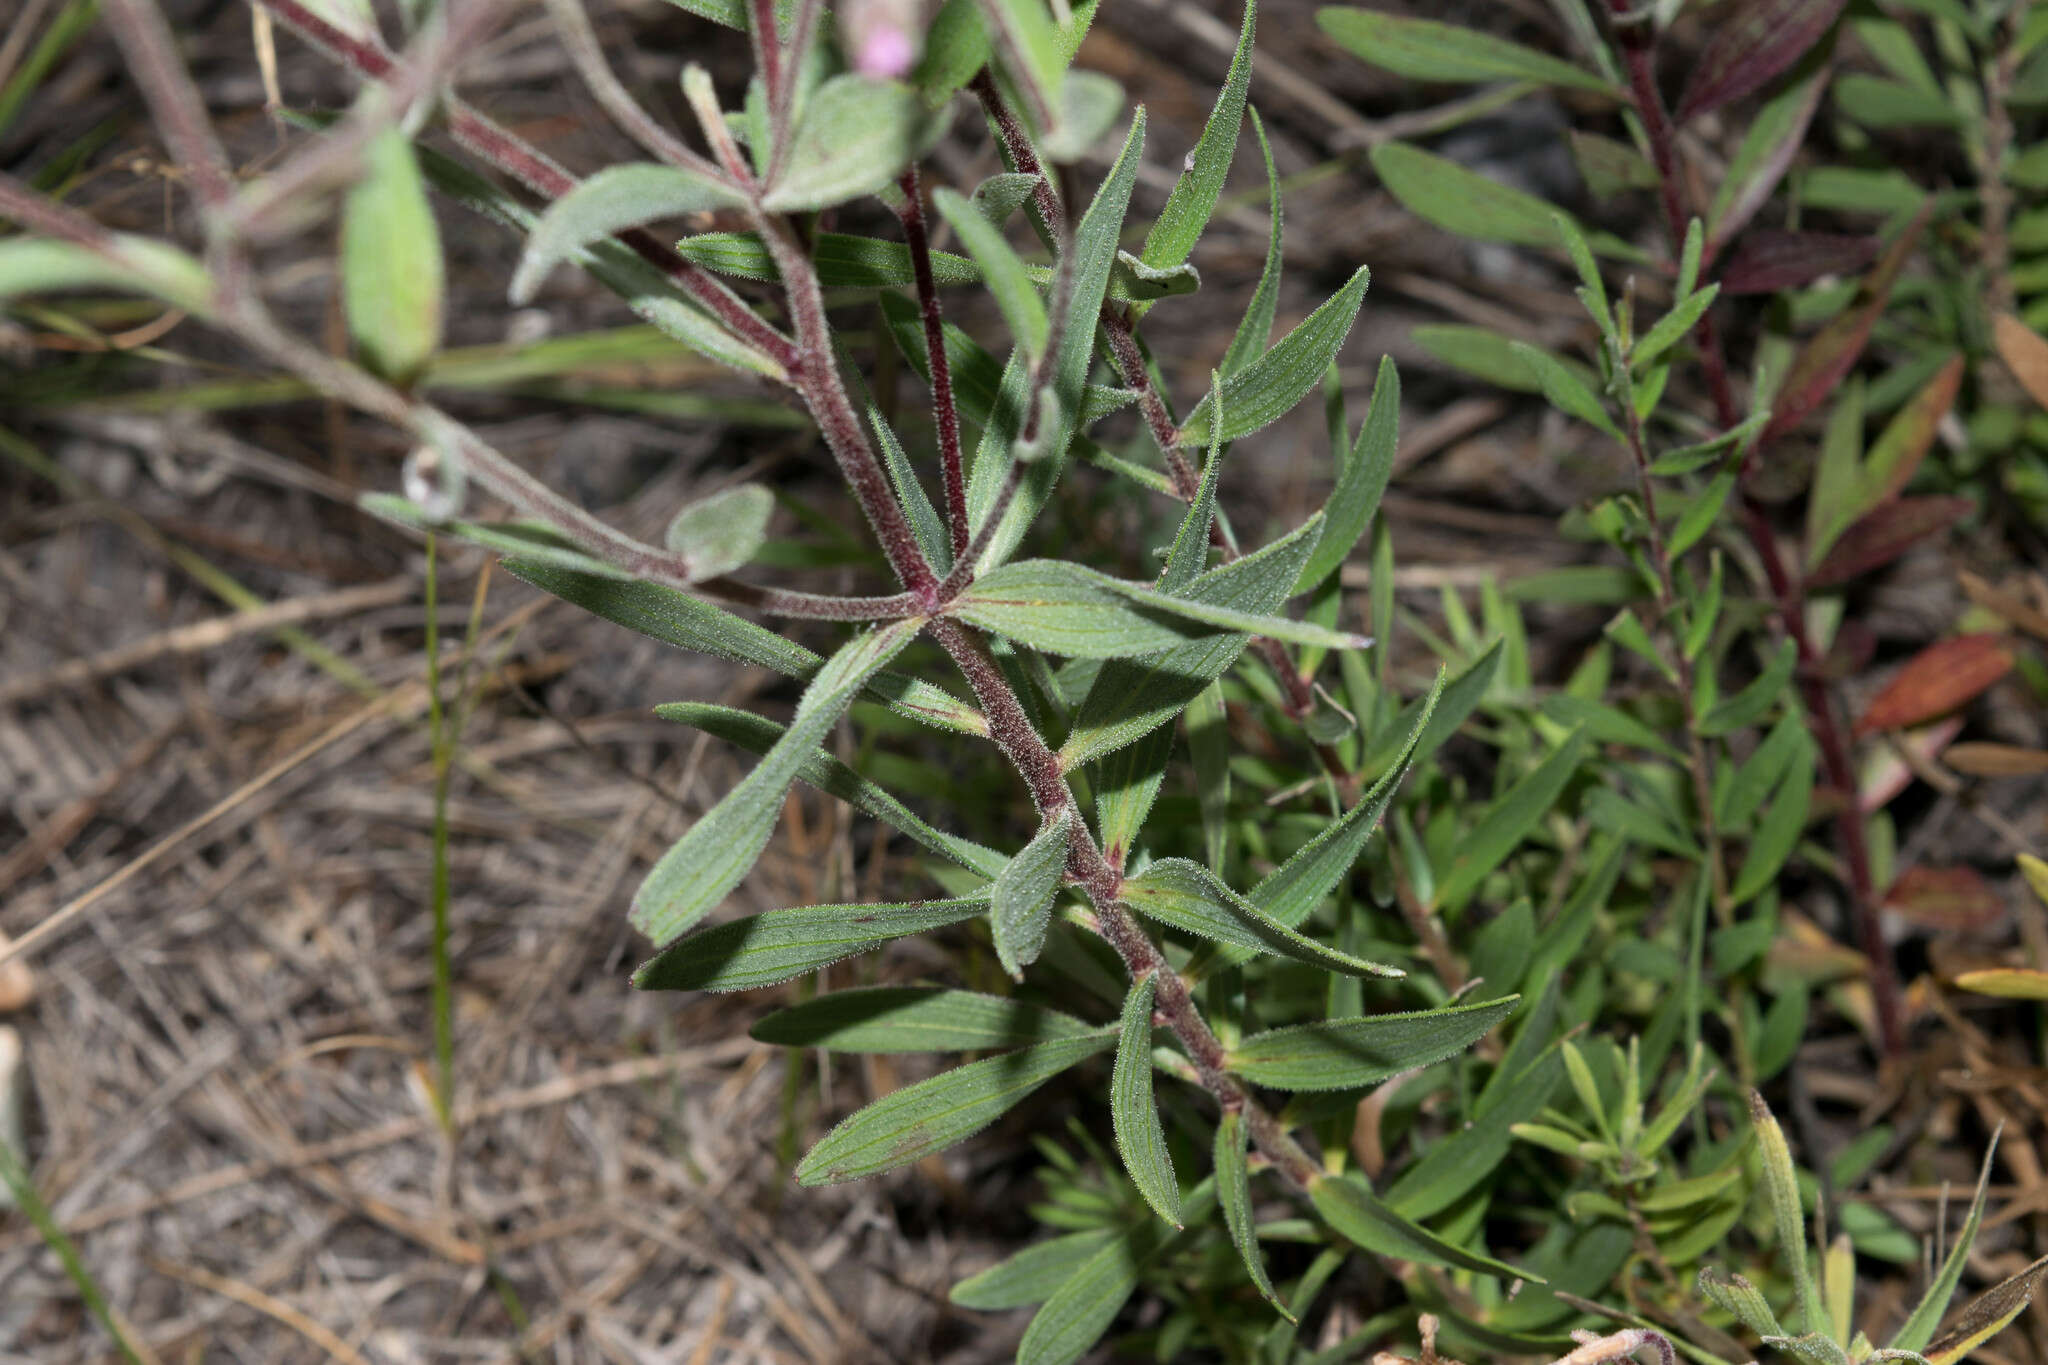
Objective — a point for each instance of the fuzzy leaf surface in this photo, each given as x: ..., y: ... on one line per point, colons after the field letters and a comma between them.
x: 777, y: 945
x: 1188, y: 896
x: 916, y: 1019
x: 614, y: 199
x: 1344, y: 1054
x: 1134, y: 1117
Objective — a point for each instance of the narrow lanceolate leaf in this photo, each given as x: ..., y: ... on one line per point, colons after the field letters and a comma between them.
x: 1022, y: 897
x: 1090, y: 105
x: 1193, y: 198
x: 1760, y: 39
x: 1140, y: 1139
x: 1566, y: 391
x: 1268, y: 388
x: 1455, y: 1165
x: 1834, y: 350
x: 1754, y: 701
x: 1439, y: 190
x: 1920, y: 1327
x: 1233, y: 1191
x: 37, y: 265
x: 916, y: 1019
x: 1015, y: 294
x: 1189, y: 553
x: 1071, y: 610
x: 1937, y: 680
x: 1291, y: 892
x: 611, y: 201
x: 1741, y: 1300
x: 676, y: 618
x: 1766, y: 261
x: 1255, y: 329
x: 1507, y: 820
x: 1774, y: 138
x: 1781, y: 1185
x: 777, y: 945
x: 1345, y: 1054
x: 722, y: 532
x: 1126, y: 784
x: 1087, y: 1302
x: 1027, y: 39
x: 1887, y: 531
x: 1424, y: 50
x: 925, y: 523
x: 830, y: 775
x: 1359, y: 1215
x: 1131, y: 697
x: 392, y: 280
x: 1188, y: 896
x: 856, y: 134
x: 707, y: 862
x: 912, y: 1123
x: 1361, y: 482
x: 842, y: 261
x: 1031, y: 1276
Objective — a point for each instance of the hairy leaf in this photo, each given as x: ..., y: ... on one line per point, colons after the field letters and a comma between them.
x: 1505, y: 822
x: 1268, y: 388
x: 1194, y: 195
x: 855, y: 135
x: 392, y: 279
x: 1134, y: 1117
x: 1359, y: 1215
x: 614, y: 199
x: 1033, y: 1274
x: 916, y: 1019
x: 776, y: 945
x: 1255, y: 328
x: 912, y: 1123
x: 719, y: 849
x: 1233, y: 1191
x: 1362, y: 480
x: 1188, y: 896
x: 722, y: 532
x: 1021, y: 905
x: 1424, y: 50
x: 1347, y: 1054
x: 1009, y: 284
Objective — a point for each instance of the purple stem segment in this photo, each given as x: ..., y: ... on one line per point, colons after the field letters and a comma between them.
x: 945, y: 408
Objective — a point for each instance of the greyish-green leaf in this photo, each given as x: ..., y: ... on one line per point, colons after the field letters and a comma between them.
x: 1134, y: 1117
x: 1233, y: 1191
x: 916, y: 1019
x: 1345, y: 1054
x: 1024, y: 891
x: 1362, y: 480
x: 614, y: 199
x: 1193, y: 198
x: 1268, y: 388
x: 1188, y: 896
x: 758, y: 734
x: 722, y: 532
x: 1359, y: 1215
x: 777, y: 945
x: 856, y: 134
x: 392, y: 279
x: 1424, y: 50
x: 916, y: 1121
x: 719, y: 849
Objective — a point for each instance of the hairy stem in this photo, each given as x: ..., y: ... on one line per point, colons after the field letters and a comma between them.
x: 944, y: 408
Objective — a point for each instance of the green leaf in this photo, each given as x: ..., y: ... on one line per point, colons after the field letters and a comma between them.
x: 1455, y: 1165
x: 1027, y: 39
x: 1927, y: 1315
x: 1268, y: 388
x: 1179, y: 225
x: 1781, y: 1184
x: 1459, y: 698
x: 1755, y: 701
x: 392, y: 280
x: 1207, y: 721
x: 912, y: 1123
x: 1014, y: 293
x: 1507, y: 821
x: 1132, y: 697
x: 676, y: 618
x: 614, y: 199
x: 1766, y: 152
x: 777, y: 945
x: 533, y: 541
x: 1566, y: 392
x: 1357, y: 1214
x: 1090, y: 105
x: 1189, y: 553
x: 955, y: 47
x: 1002, y: 194
x: 1701, y: 513
x: 916, y: 1019
x: 1424, y: 50
x: 1440, y: 191
x: 1604, y: 723
x: 830, y: 775
x: 719, y: 849
x: 1348, y: 1054
x: 1140, y: 1139
x: 1032, y: 1275
x: 1087, y: 1302
x: 842, y: 261
x: 1760, y: 772
x: 1610, y: 168
x: 1188, y: 896
x: 722, y: 532
x: 1255, y: 329
x: 1074, y: 611
x: 1480, y: 352
x: 1361, y: 482
x: 1876, y: 102
x: 1021, y: 905
x: 1777, y: 833
x: 1741, y: 1300
x: 1672, y: 328
x: 37, y: 265
x: 856, y: 134
x: 1126, y: 784
x: 1233, y: 1190
x: 925, y: 523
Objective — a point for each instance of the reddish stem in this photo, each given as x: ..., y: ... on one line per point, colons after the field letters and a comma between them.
x: 944, y: 408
